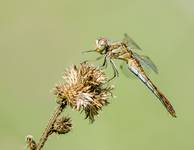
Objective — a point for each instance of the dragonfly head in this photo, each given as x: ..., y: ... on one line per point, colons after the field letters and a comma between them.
x: 101, y: 45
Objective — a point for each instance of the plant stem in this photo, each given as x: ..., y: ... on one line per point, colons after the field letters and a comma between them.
x: 48, y: 129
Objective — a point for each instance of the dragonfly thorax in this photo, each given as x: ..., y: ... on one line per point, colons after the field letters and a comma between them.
x: 101, y: 45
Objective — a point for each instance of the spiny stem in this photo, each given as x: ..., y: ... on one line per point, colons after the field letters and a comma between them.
x: 48, y: 129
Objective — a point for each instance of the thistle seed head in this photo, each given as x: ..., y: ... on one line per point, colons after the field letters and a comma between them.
x: 84, y: 89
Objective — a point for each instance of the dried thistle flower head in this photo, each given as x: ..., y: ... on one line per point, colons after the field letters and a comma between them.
x: 31, y: 144
x: 62, y: 125
x: 84, y: 89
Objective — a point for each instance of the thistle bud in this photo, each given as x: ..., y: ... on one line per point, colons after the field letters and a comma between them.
x: 31, y: 144
x: 62, y: 125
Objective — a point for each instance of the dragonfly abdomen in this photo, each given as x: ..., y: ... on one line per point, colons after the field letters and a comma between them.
x: 161, y: 97
x: 135, y: 67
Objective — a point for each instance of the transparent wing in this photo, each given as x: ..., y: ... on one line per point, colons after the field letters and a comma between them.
x: 125, y: 70
x: 145, y: 61
x: 130, y: 42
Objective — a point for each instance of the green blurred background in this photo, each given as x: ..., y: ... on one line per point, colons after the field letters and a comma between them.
x: 40, y: 38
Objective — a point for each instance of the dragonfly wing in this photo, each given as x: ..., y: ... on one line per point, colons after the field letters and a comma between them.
x: 125, y: 70
x: 130, y: 42
x: 145, y: 61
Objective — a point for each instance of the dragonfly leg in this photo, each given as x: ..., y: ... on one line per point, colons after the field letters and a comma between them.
x: 94, y: 60
x: 115, y: 71
x: 98, y: 58
x: 105, y: 64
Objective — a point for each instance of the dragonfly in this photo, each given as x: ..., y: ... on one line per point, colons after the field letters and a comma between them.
x: 125, y: 50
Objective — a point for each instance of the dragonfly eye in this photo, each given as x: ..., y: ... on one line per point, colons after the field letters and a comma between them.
x: 101, y: 44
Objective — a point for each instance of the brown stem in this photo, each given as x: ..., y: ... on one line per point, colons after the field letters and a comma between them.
x: 48, y: 129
